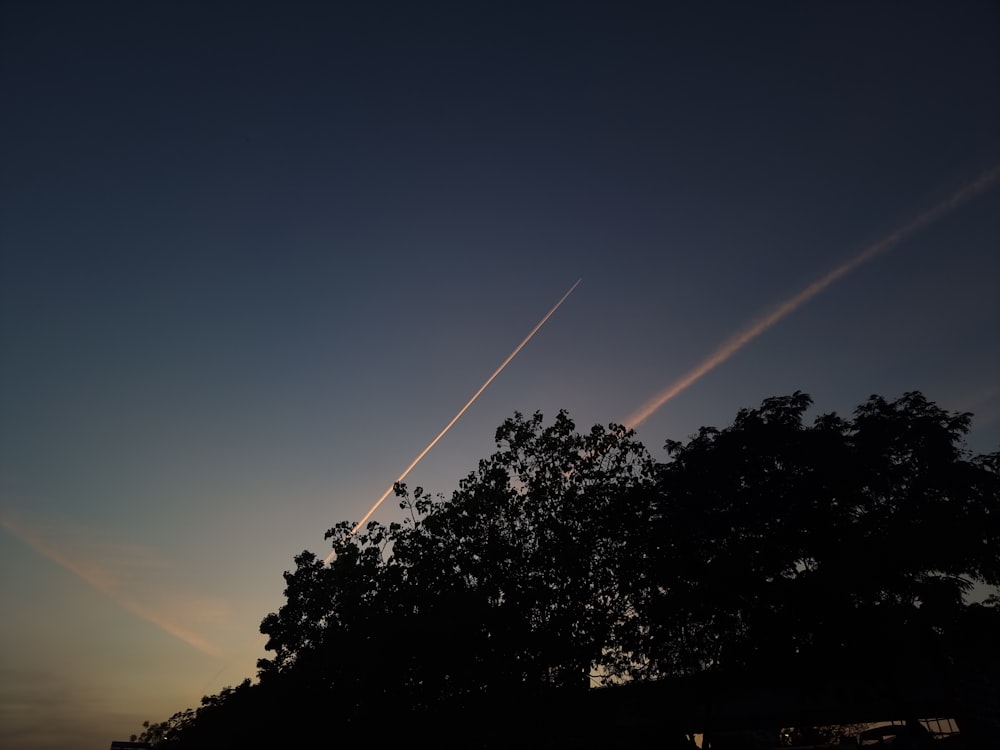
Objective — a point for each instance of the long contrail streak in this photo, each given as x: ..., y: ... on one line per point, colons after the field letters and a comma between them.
x: 458, y: 416
x: 103, y: 580
x: 755, y: 329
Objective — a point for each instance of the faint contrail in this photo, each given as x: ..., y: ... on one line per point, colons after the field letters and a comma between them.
x: 458, y: 416
x: 737, y: 342
x: 104, y: 581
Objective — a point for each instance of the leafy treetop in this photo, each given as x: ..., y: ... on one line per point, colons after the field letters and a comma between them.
x: 569, y: 559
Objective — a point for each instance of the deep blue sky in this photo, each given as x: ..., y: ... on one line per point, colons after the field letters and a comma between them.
x: 256, y: 255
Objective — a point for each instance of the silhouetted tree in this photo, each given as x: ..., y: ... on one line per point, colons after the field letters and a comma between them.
x: 776, y: 542
x: 567, y: 559
x: 507, y: 588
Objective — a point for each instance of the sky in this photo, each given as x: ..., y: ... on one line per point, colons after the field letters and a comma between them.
x: 257, y: 255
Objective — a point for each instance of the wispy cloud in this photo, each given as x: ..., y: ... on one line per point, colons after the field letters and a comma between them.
x: 128, y: 574
x: 38, y: 709
x: 786, y: 308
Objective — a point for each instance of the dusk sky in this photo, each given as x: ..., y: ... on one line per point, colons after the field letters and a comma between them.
x: 256, y: 255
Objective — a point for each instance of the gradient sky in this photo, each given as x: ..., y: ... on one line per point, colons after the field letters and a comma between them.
x: 256, y: 255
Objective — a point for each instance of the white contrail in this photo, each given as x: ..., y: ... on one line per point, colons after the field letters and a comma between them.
x: 458, y: 416
x: 744, y: 337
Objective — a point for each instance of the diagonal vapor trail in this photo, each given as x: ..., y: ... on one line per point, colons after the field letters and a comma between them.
x: 755, y: 329
x: 434, y: 442
x: 458, y: 416
x: 103, y: 580
x: 425, y: 451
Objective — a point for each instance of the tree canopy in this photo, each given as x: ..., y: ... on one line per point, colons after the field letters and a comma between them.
x: 775, y: 540
x: 567, y: 560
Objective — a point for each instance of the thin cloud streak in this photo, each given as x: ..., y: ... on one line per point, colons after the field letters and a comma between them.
x: 458, y: 416
x: 105, y: 581
x: 755, y: 329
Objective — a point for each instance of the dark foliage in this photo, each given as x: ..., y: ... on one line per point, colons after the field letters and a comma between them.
x: 568, y: 559
x: 777, y: 542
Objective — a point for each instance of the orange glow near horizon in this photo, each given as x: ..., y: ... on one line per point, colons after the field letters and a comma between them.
x: 755, y: 329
